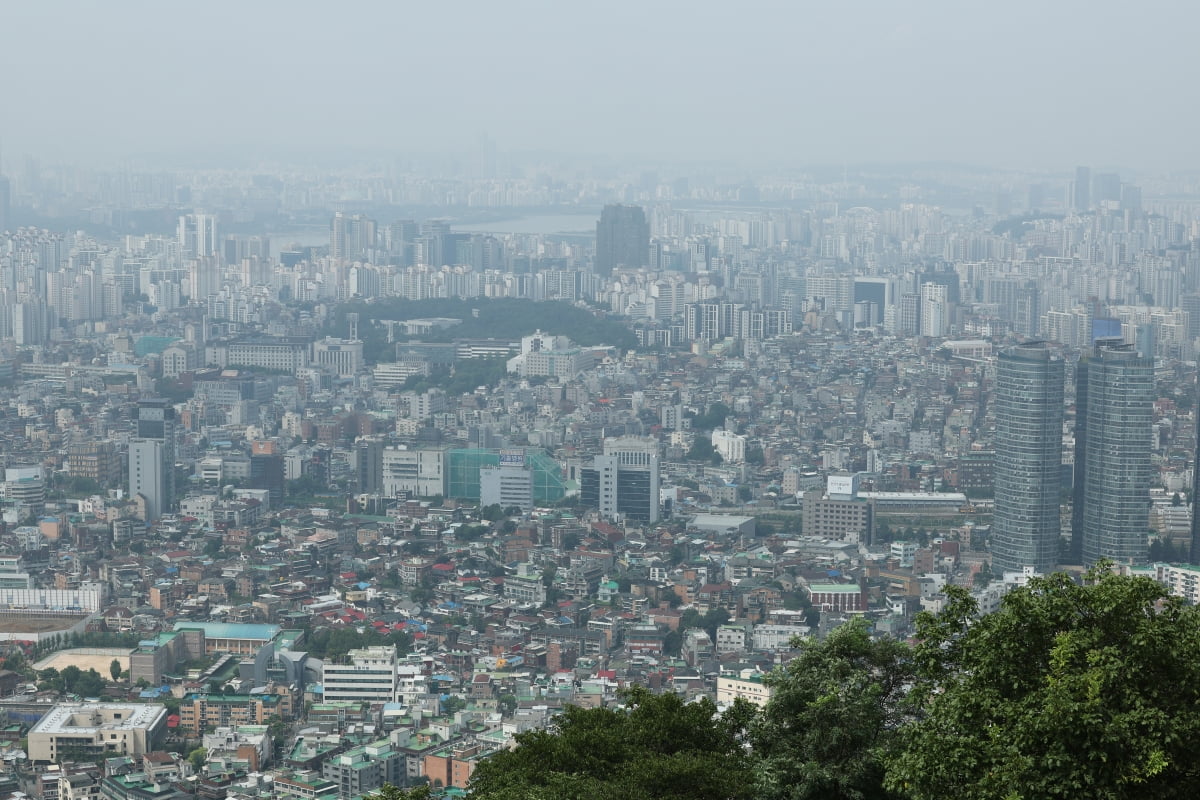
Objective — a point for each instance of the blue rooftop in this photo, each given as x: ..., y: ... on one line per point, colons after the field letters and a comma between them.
x: 232, y: 630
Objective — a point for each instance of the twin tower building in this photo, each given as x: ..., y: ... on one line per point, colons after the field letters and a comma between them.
x: 1112, y: 472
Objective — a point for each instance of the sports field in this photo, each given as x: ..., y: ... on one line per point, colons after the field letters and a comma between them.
x: 97, y: 658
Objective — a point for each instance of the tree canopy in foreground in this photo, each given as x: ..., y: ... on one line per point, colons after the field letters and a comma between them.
x: 658, y: 746
x: 1068, y: 691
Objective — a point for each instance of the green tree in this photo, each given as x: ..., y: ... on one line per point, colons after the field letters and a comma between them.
x: 114, y: 669
x: 1068, y: 690
x: 658, y: 746
x: 197, y: 757
x: 389, y: 792
x: 833, y: 711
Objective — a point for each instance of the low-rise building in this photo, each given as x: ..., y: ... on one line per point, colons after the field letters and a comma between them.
x: 84, y: 731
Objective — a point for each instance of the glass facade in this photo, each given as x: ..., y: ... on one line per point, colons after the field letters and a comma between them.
x: 1028, y: 466
x: 463, y: 466
x: 1115, y: 413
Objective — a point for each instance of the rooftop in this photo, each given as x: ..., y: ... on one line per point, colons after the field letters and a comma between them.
x: 75, y: 717
x: 232, y: 630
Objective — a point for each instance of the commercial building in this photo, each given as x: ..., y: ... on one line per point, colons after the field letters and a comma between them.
x: 731, y: 446
x: 834, y: 597
x: 87, y: 731
x: 94, y: 460
x: 749, y: 688
x: 838, y: 512
x: 625, y: 481
x: 369, y: 676
x: 622, y: 239
x: 464, y: 468
x: 1113, y: 430
x: 342, y: 356
x: 1028, y: 465
x: 509, y: 484
x: 152, y: 458
x: 25, y: 487
x: 417, y: 472
x: 283, y: 353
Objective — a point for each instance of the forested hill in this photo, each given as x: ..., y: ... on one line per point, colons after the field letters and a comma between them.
x: 482, y: 318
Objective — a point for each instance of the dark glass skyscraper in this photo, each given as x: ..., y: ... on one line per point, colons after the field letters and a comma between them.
x: 622, y: 238
x: 1028, y: 468
x: 1113, y: 426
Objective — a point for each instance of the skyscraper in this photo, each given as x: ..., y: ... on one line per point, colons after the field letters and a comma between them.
x: 1194, y: 550
x: 351, y: 237
x: 197, y: 234
x: 1081, y: 189
x: 1114, y: 424
x: 1029, y: 419
x: 622, y: 238
x: 5, y: 204
x: 152, y: 456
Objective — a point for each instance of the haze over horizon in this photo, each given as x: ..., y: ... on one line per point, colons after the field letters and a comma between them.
x: 1013, y: 85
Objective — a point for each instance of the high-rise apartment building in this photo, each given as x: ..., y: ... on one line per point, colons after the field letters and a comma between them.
x: 1113, y: 429
x: 5, y: 204
x: 197, y: 234
x: 622, y: 238
x: 351, y: 237
x: 1028, y: 462
x: 152, y: 457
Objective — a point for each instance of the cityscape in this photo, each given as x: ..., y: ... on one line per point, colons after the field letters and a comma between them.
x: 479, y: 460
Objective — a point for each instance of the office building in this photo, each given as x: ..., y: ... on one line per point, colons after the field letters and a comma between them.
x: 415, y: 473
x: 1113, y: 430
x: 152, y: 458
x: 91, y: 731
x: 1028, y: 461
x: 838, y: 512
x: 368, y: 465
x: 508, y: 484
x: 369, y: 675
x: 622, y: 239
x: 94, y: 460
x: 624, y: 482
x: 343, y: 356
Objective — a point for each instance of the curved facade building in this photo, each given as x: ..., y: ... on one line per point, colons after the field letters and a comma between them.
x: 1116, y: 415
x: 1028, y: 466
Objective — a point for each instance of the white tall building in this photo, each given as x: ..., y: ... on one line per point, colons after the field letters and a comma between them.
x: 418, y: 472
x: 197, y: 234
x: 935, y: 311
x: 509, y: 484
x: 152, y: 457
x: 730, y: 445
x: 369, y: 675
x: 343, y: 355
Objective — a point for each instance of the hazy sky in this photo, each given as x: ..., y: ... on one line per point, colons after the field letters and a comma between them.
x: 1012, y: 83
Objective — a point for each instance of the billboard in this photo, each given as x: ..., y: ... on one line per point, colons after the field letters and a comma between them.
x: 512, y: 458
x: 840, y: 485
